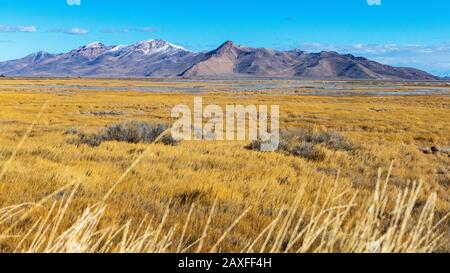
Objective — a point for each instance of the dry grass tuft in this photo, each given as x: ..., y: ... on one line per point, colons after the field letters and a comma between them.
x: 334, y: 223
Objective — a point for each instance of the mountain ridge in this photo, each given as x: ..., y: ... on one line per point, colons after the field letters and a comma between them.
x: 158, y: 58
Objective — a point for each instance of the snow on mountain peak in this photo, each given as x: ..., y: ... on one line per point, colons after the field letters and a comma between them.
x: 117, y: 48
x: 95, y: 45
x: 40, y: 56
x: 156, y: 45
x: 91, y: 50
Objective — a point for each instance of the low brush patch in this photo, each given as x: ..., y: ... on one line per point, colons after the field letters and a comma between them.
x: 308, y: 144
x: 127, y: 131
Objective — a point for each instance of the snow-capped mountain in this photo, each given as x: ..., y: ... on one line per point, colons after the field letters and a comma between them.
x: 154, y: 47
x: 148, y: 47
x: 158, y: 58
x: 91, y: 50
x: 142, y: 59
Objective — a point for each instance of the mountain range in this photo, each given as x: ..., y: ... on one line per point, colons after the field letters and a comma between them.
x: 158, y: 58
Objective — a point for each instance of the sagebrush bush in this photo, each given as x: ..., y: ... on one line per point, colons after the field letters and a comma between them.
x: 331, y: 139
x: 72, y: 131
x: 306, y: 144
x: 128, y: 131
x: 256, y: 145
x: 308, y: 151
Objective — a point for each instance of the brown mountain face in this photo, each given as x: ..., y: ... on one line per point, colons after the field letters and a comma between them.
x: 232, y: 60
x: 220, y: 62
x: 158, y: 58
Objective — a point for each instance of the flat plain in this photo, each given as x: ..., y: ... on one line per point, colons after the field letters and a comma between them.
x: 387, y: 190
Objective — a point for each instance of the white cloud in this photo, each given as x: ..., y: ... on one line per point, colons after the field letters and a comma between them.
x: 374, y: 2
x: 116, y: 30
x: 128, y: 30
x: 74, y: 2
x: 314, y: 47
x: 28, y: 29
x: 148, y: 29
x: 72, y: 31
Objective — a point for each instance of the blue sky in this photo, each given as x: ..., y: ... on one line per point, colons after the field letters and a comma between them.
x: 397, y: 32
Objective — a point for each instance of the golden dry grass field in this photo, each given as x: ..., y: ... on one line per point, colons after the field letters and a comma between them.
x: 57, y: 195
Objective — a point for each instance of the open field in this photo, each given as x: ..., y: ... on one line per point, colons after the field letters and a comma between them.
x: 59, y: 195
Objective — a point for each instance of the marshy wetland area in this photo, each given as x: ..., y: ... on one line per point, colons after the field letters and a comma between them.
x: 363, y: 166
